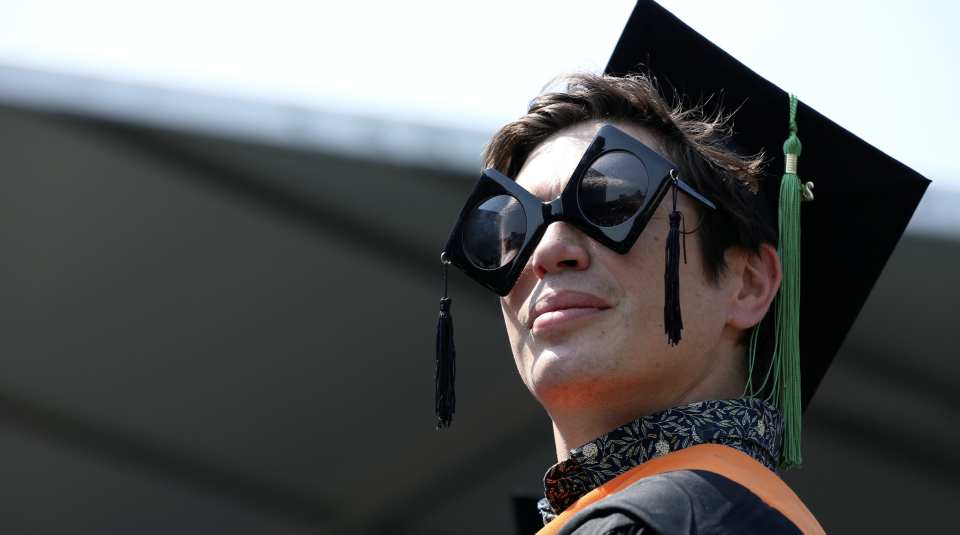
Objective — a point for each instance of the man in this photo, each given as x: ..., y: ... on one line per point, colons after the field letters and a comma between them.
x: 586, y: 323
x: 670, y: 422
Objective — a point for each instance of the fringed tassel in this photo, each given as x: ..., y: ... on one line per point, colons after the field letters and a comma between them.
x: 445, y: 399
x: 672, y: 321
x: 787, y: 396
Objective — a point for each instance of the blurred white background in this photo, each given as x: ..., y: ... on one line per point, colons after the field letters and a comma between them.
x: 888, y: 71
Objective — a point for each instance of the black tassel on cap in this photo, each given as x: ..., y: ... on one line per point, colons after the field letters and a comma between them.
x: 445, y: 402
x: 672, y: 322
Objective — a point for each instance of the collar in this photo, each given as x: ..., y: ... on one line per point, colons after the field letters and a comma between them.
x: 750, y: 425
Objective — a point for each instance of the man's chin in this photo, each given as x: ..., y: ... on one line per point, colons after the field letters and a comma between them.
x: 564, y: 367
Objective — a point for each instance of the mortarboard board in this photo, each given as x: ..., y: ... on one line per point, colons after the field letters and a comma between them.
x: 863, y: 198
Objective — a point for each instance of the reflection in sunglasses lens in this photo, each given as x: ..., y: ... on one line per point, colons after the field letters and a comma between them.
x: 613, y: 189
x: 495, y: 231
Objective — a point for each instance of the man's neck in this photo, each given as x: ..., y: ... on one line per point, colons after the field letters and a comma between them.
x: 574, y: 428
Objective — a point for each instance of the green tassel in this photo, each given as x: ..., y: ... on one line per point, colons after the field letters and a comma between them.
x: 787, y: 396
x: 785, y: 361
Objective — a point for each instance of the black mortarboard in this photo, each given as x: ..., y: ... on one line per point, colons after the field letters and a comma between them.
x: 863, y: 198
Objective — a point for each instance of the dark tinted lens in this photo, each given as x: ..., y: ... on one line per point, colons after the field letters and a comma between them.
x: 613, y: 189
x: 495, y: 231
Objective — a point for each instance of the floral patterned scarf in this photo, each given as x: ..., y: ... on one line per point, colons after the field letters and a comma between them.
x: 749, y: 425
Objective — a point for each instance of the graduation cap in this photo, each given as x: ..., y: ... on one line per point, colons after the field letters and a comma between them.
x: 828, y: 270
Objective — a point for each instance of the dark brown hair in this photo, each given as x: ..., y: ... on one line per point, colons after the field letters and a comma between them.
x: 691, y: 139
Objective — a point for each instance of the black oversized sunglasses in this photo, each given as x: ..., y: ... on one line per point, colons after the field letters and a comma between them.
x: 610, y: 197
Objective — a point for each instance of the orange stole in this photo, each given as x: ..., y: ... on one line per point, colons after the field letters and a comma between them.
x: 722, y: 460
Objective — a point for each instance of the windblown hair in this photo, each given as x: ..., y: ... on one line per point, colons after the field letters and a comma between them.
x: 691, y: 139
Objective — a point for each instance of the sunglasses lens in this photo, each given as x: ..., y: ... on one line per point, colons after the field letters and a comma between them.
x: 613, y: 189
x: 495, y: 231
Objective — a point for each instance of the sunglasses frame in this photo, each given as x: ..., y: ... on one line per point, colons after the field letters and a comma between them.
x: 661, y: 173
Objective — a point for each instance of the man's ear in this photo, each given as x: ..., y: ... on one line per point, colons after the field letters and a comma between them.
x: 759, y: 281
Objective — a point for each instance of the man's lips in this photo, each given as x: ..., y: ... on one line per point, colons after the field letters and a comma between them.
x: 562, y: 307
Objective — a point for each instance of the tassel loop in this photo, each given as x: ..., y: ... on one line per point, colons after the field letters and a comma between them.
x: 444, y: 399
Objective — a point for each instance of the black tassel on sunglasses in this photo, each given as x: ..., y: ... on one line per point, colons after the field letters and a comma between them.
x: 445, y: 400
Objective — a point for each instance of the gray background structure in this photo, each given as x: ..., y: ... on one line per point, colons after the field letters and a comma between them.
x: 213, y: 325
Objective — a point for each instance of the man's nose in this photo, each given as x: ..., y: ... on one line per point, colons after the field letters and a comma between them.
x: 562, y: 247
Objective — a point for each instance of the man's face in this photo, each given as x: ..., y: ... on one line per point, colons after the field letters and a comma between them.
x: 586, y: 323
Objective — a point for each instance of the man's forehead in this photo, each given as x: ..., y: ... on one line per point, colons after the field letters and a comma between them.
x: 549, y: 166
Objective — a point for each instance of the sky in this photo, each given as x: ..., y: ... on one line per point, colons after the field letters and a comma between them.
x: 888, y: 71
